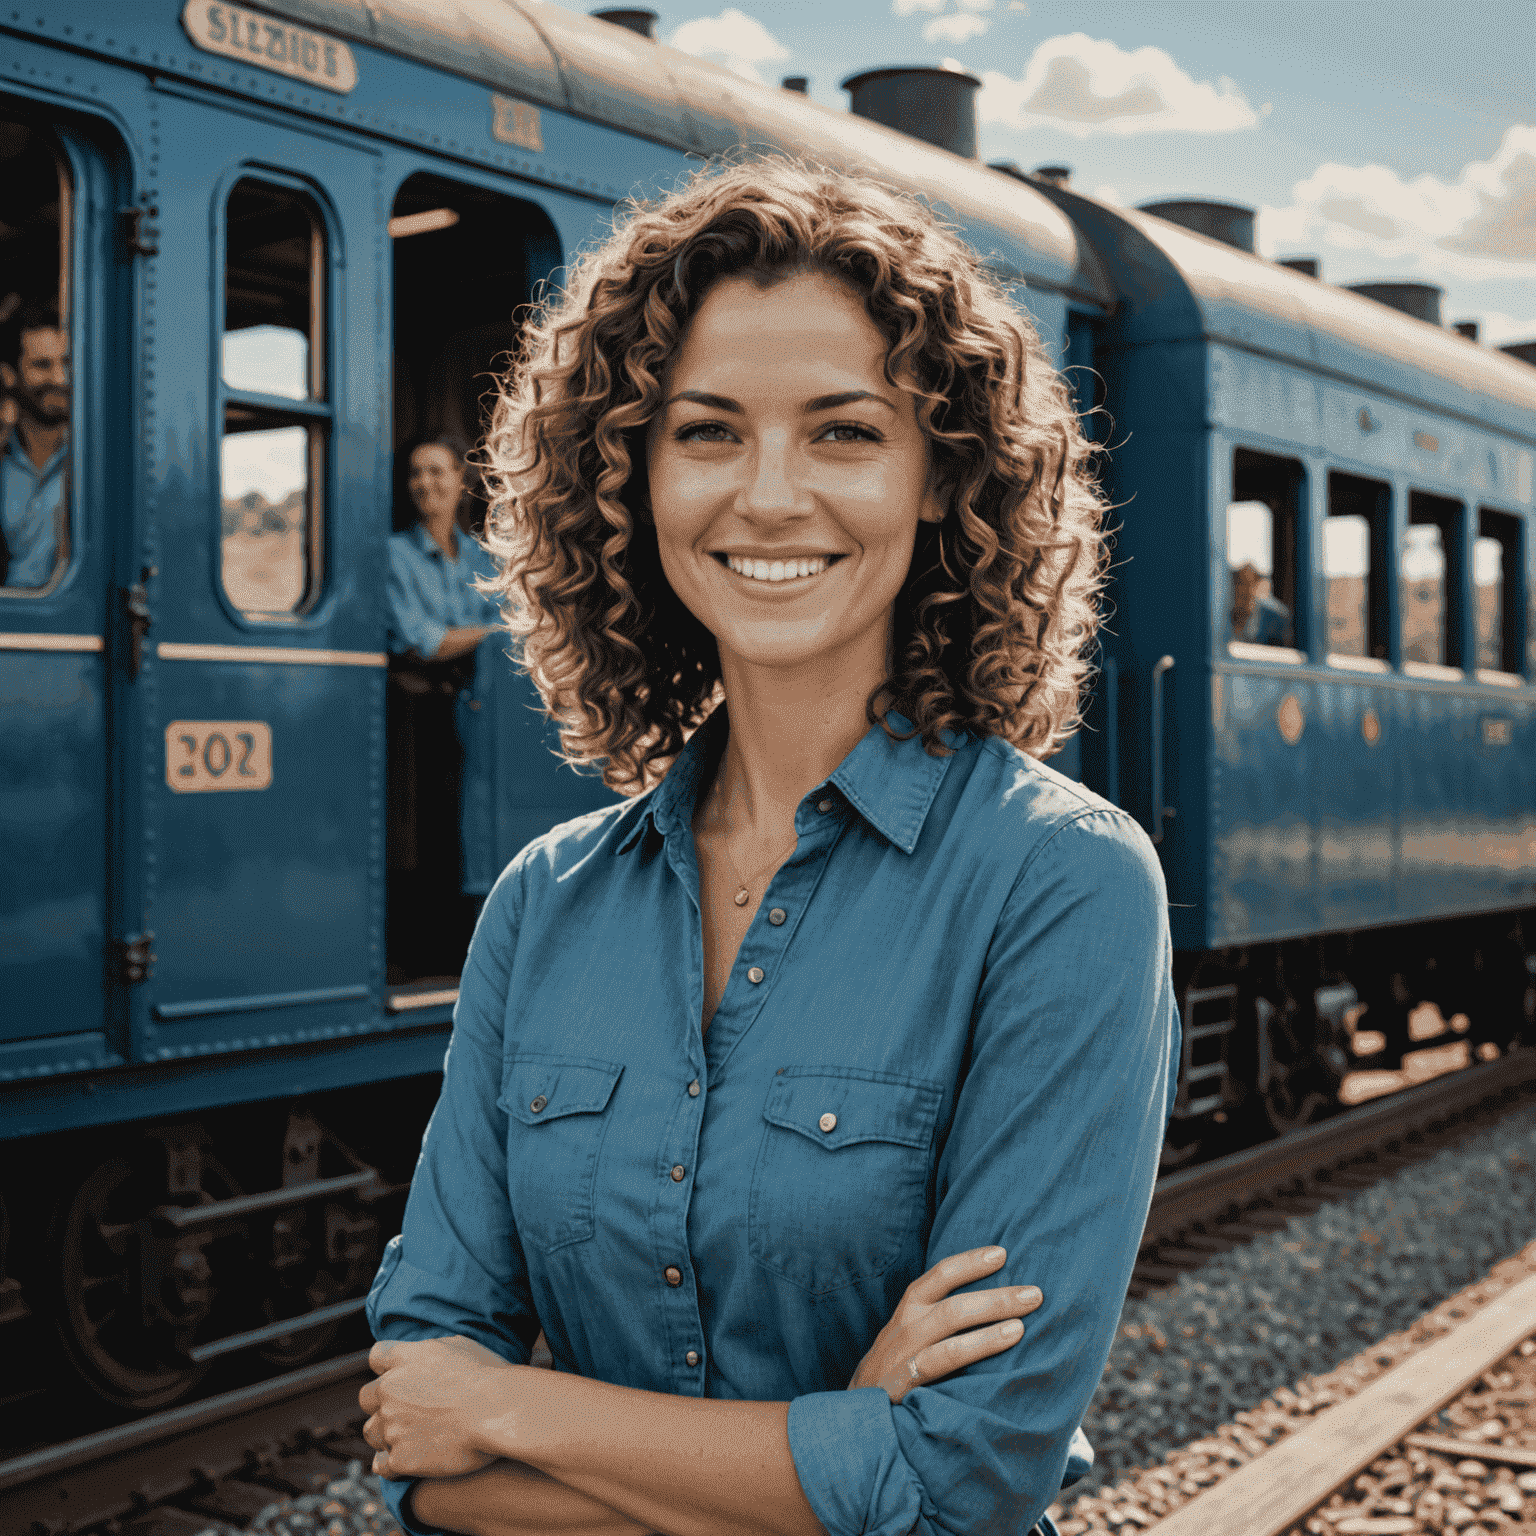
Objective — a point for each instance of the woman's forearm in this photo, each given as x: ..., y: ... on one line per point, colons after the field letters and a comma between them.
x: 510, y: 1499
x: 456, y: 642
x: 680, y: 1466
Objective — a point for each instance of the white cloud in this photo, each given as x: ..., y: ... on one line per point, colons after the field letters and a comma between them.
x: 957, y: 27
x: 738, y: 41
x: 1110, y: 195
x: 1495, y: 327
x: 975, y: 5
x: 911, y: 7
x: 1481, y: 225
x: 1085, y: 86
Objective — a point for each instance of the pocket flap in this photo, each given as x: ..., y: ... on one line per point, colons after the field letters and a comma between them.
x: 855, y: 1106
x: 558, y: 1085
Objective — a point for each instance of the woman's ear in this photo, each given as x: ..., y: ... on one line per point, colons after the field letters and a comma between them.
x: 934, y: 504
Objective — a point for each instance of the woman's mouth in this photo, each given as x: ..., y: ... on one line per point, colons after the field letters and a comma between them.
x: 778, y: 572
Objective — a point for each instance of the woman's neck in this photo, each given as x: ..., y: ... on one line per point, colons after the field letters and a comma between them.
x: 787, y: 733
x: 443, y: 531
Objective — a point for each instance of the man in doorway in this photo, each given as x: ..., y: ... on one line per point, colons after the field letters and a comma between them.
x: 34, y: 464
x: 1256, y: 616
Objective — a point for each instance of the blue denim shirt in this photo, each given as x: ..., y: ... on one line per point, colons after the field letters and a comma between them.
x: 31, y: 512
x: 951, y: 1023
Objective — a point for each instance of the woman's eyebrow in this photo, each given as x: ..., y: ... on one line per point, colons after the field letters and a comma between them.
x: 820, y: 403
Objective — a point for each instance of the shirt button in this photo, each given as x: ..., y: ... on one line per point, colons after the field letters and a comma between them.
x: 692, y: 1357
x: 828, y: 1121
x: 755, y: 975
x: 693, y: 1089
x: 538, y: 1104
x: 777, y: 916
x: 679, y: 1173
x: 823, y: 806
x: 674, y: 1275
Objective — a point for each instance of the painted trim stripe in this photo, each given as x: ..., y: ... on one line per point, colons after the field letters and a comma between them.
x: 175, y: 650
x: 404, y: 1002
x: 51, y: 643
x: 259, y: 1003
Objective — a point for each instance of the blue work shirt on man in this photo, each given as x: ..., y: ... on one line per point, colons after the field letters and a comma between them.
x: 951, y: 1023
x: 429, y: 594
x: 31, y: 512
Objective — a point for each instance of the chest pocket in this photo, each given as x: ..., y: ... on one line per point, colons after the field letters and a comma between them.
x: 839, y: 1188
x: 557, y: 1115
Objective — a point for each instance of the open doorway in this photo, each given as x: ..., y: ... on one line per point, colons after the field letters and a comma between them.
x: 465, y: 262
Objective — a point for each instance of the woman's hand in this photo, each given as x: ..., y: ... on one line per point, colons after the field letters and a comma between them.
x: 934, y: 1334
x: 427, y: 1408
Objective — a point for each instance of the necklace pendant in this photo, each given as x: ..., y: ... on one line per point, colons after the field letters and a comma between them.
x: 741, y: 897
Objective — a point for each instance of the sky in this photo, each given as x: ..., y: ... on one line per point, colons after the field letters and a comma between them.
x: 1392, y: 141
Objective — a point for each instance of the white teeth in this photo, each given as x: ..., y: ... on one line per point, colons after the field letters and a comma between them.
x: 777, y: 570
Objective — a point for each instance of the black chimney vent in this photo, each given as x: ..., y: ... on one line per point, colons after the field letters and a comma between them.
x: 643, y: 22
x: 799, y: 84
x: 1421, y: 300
x: 1524, y: 350
x: 1056, y: 175
x: 1227, y: 222
x: 1467, y: 328
x: 935, y: 105
x: 1306, y: 265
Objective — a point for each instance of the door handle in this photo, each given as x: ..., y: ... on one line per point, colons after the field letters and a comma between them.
x: 1162, y: 666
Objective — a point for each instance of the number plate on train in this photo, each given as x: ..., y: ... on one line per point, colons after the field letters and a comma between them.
x: 206, y: 755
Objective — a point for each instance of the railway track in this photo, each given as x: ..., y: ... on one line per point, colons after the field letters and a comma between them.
x: 1211, y: 1208
x: 228, y: 1456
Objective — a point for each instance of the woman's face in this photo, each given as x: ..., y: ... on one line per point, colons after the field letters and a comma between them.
x: 435, y: 481
x: 787, y: 477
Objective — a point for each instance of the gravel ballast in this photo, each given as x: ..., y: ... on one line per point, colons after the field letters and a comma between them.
x: 1281, y: 1309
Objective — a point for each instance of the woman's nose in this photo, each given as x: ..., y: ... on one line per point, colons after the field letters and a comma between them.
x: 772, y: 487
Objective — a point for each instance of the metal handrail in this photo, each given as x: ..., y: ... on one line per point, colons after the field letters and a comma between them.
x: 1164, y: 664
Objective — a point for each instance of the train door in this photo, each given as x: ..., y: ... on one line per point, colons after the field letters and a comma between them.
x: 263, y: 682
x: 56, y: 263
x: 472, y: 772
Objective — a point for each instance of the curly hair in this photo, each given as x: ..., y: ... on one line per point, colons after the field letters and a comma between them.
x: 999, y: 610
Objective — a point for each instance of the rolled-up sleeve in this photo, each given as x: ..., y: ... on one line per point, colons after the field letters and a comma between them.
x: 457, y: 1266
x: 1052, y: 1153
x: 413, y: 626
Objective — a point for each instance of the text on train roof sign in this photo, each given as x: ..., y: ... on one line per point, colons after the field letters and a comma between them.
x: 265, y: 43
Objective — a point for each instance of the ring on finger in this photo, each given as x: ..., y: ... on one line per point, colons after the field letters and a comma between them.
x: 912, y: 1369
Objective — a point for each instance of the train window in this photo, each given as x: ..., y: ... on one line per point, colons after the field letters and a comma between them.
x: 1429, y: 570
x: 35, y: 390
x: 271, y: 461
x: 1354, y: 558
x: 1261, y: 549
x: 1498, y: 593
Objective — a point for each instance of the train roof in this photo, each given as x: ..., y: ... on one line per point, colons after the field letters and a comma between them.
x: 1259, y: 305
x: 556, y: 58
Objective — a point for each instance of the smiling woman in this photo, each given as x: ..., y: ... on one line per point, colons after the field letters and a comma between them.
x: 757, y: 1076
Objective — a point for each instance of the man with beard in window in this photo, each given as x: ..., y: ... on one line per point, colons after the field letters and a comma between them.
x: 34, y: 464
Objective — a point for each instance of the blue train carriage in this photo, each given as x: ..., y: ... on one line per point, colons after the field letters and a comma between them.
x: 1318, y: 694
x: 278, y: 246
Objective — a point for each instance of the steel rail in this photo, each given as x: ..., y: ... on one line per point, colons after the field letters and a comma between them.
x: 1195, y: 1195
x: 99, y: 1477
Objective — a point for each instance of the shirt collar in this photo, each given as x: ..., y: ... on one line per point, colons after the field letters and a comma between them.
x: 429, y: 546
x: 891, y: 784
x: 16, y: 451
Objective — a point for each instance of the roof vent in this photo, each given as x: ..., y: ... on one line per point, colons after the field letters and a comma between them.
x: 1054, y: 175
x: 1467, y: 328
x: 1524, y: 350
x: 1421, y: 300
x: 1228, y: 222
x: 799, y: 84
x: 1306, y: 265
x: 643, y: 22
x: 935, y: 105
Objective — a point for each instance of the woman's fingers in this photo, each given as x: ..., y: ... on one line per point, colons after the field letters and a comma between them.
x: 937, y: 1361
x: 958, y: 1269
x: 956, y: 1313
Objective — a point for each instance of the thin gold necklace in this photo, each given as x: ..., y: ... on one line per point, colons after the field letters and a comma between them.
x: 744, y: 892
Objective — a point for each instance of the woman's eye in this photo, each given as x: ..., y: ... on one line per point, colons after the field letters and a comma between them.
x: 703, y: 432
x: 858, y: 432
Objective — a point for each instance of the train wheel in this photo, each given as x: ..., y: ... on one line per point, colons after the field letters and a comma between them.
x: 123, y: 1352
x: 1294, y: 1080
